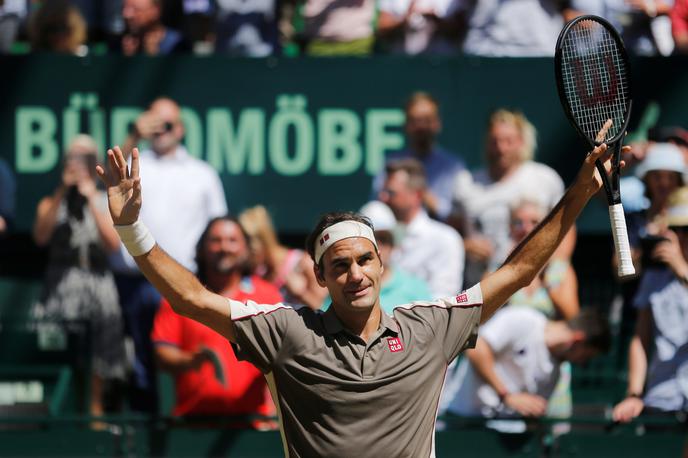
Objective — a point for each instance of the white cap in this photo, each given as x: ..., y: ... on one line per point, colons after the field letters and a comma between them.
x: 662, y: 156
x: 380, y: 215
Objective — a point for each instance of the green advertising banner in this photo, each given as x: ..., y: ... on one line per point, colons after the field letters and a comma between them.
x: 301, y: 136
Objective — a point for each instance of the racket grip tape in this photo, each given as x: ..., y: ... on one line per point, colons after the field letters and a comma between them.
x: 620, y: 233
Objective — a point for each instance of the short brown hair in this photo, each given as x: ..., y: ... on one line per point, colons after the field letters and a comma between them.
x: 413, y: 168
x: 246, y: 268
x: 420, y: 96
x: 595, y: 327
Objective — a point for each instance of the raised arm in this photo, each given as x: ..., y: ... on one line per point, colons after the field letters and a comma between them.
x: 534, y: 251
x: 180, y: 287
x: 638, y: 350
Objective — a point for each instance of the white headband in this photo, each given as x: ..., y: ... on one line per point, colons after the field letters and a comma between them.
x: 340, y: 231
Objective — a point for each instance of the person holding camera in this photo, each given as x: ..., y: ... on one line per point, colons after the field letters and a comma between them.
x: 75, y: 225
x: 658, y: 353
x: 661, y: 173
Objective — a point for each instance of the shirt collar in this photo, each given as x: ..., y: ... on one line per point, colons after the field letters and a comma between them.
x: 179, y: 154
x: 333, y: 325
x: 419, y: 220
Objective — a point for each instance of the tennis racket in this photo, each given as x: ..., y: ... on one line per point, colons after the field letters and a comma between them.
x: 594, y: 85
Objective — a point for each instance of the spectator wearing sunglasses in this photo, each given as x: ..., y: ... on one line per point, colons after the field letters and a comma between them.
x: 185, y: 194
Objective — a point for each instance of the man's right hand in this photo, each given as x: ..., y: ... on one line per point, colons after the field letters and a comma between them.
x: 478, y: 248
x: 526, y: 404
x: 628, y: 409
x: 148, y: 124
x: 123, y: 186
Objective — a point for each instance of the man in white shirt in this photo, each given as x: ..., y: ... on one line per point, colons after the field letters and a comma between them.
x: 428, y: 249
x: 514, y: 367
x: 482, y: 199
x: 184, y: 194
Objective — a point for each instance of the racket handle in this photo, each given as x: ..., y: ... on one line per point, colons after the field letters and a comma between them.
x: 623, y: 249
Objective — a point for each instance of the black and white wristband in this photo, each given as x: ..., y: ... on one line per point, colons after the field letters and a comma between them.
x: 136, y: 238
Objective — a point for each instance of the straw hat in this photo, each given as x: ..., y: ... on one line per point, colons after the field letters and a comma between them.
x: 677, y: 214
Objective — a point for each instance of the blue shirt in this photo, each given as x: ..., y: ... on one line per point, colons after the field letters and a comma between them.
x: 8, y: 188
x: 441, y: 168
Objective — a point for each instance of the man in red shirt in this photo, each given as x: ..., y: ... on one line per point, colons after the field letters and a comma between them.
x: 209, y: 380
x: 679, y: 25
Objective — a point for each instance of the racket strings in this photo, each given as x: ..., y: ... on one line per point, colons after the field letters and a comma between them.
x: 595, y: 78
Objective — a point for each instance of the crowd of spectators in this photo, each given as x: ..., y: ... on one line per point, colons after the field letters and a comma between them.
x: 263, y: 28
x: 440, y: 228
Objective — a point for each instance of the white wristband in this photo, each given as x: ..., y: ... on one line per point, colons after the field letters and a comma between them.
x: 136, y: 238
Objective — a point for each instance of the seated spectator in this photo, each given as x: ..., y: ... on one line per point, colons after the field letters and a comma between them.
x: 423, y: 125
x: 554, y: 293
x: 8, y: 191
x: 428, y: 249
x: 209, y: 379
x: 679, y: 26
x: 644, y: 25
x: 514, y: 367
x: 12, y: 15
x: 58, y: 26
x: 419, y: 26
x: 288, y: 269
x: 338, y: 27
x: 75, y: 225
x: 657, y: 356
x: 144, y: 31
x: 516, y: 28
x: 398, y: 287
x: 482, y: 199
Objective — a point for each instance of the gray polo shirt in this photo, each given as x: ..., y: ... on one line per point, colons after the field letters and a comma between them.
x: 337, y: 395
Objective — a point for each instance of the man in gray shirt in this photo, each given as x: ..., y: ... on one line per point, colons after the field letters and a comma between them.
x: 352, y: 381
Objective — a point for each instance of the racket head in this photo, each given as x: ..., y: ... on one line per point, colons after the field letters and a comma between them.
x: 593, y: 78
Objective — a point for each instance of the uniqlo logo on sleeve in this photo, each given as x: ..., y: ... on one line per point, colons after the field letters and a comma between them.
x: 395, y: 344
x: 461, y: 298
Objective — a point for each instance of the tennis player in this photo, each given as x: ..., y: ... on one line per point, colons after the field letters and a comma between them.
x: 352, y: 381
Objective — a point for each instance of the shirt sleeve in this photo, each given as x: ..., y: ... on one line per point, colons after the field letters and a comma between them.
x: 446, y: 276
x: 509, y: 324
x: 453, y: 320
x: 261, y: 331
x: 498, y: 330
x: 650, y: 282
x: 463, y: 184
x: 8, y: 188
x: 166, y: 326
x: 679, y: 18
x: 217, y: 202
x: 556, y: 188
